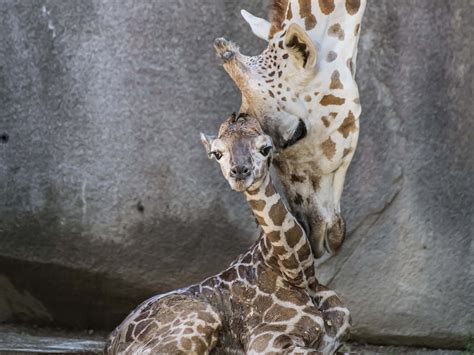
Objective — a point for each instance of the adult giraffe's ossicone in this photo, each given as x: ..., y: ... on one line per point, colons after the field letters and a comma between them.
x: 303, y: 92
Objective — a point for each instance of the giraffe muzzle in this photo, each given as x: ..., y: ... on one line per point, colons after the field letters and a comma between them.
x: 240, y: 172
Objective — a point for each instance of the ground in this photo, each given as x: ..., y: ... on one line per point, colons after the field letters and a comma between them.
x: 16, y: 339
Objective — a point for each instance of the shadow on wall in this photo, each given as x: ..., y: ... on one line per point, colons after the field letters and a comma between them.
x: 84, y: 299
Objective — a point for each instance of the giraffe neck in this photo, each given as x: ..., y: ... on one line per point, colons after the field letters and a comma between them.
x: 284, y: 243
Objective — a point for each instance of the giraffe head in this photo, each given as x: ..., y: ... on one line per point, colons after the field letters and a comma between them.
x: 242, y: 150
x: 272, y: 82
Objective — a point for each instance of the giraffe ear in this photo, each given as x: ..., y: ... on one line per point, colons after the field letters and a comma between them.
x: 300, y: 47
x: 259, y: 26
x: 207, y: 142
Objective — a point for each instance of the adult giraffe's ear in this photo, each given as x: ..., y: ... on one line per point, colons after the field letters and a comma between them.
x: 300, y: 47
x: 207, y: 142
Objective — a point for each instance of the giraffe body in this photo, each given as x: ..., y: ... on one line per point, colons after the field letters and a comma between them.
x: 303, y: 92
x: 267, y: 301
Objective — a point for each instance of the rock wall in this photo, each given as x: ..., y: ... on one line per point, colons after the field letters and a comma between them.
x: 107, y: 196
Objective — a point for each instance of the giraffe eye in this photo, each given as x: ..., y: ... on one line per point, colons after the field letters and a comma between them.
x: 217, y: 155
x: 265, y: 150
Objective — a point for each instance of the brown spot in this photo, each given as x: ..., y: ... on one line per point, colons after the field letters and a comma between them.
x: 357, y: 100
x: 336, y: 31
x: 305, y: 8
x: 310, y: 22
x: 294, y: 296
x: 285, y: 56
x: 304, y: 252
x: 315, y: 182
x: 253, y: 192
x: 298, y: 199
x: 326, y: 6
x: 289, y: 13
x: 274, y: 236
x: 348, y: 125
x: 307, y: 98
x: 257, y: 205
x: 269, y: 190
x: 229, y: 275
x: 329, y: 148
x: 352, y: 6
x: 279, y: 250
x: 331, y: 56
x: 128, y: 335
x: 260, y: 221
x: 271, y: 93
x: 270, y: 328
x: 266, y: 280
x: 346, y: 152
x: 335, y: 81
x: 350, y: 65
x: 305, y: 13
x: 282, y: 341
x: 291, y: 262
x: 242, y: 291
x: 293, y: 235
x: 330, y: 302
x: 277, y: 213
x: 297, y: 178
x: 200, y: 345
x: 186, y: 343
x: 332, y: 100
x: 326, y: 121
x: 140, y: 326
x: 262, y: 303
x: 260, y: 343
x: 279, y: 313
x: 247, y: 259
x: 357, y: 29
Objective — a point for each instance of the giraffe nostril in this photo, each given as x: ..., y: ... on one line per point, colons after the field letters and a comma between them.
x: 240, y: 172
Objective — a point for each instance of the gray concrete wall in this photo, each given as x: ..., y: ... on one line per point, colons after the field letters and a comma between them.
x: 107, y: 196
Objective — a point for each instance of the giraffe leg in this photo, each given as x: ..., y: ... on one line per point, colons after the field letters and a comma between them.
x: 173, y: 324
x: 279, y: 343
x: 337, y: 318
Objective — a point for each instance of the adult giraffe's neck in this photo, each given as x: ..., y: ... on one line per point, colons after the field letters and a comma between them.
x: 284, y: 244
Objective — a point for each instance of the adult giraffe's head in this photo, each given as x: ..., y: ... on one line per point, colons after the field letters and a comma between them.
x: 271, y: 82
x: 242, y: 150
x: 301, y: 88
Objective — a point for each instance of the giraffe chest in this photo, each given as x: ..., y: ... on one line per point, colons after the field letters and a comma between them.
x: 260, y: 301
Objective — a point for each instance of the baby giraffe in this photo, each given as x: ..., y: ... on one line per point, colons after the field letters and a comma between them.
x: 268, y: 301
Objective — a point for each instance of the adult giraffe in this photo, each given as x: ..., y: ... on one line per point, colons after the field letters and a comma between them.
x: 303, y: 92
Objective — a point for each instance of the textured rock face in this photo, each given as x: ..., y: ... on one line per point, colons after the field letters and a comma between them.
x: 108, y: 197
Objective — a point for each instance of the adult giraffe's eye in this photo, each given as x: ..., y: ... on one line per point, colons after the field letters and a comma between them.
x: 265, y: 150
x: 217, y: 155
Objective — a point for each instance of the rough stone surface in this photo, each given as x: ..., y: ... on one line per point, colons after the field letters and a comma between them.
x: 107, y: 196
